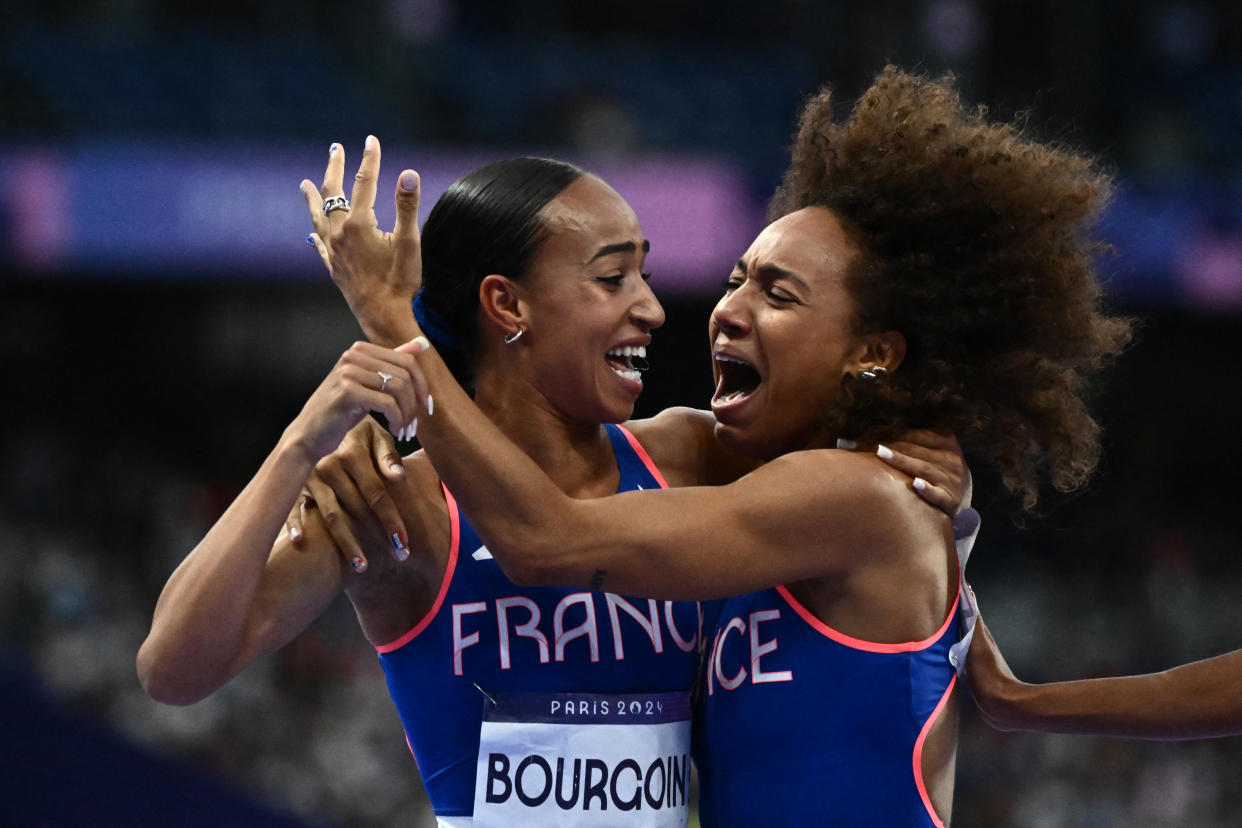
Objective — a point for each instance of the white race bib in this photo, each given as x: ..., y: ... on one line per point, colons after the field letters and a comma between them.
x: 552, y: 759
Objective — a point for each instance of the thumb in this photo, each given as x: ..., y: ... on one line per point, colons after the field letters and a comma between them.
x: 388, y: 460
x: 408, y: 193
x: 415, y: 346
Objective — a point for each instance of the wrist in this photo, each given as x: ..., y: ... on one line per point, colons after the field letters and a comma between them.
x: 296, y: 452
x: 390, y: 326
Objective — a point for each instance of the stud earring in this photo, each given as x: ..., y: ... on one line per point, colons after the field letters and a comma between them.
x: 514, y: 337
x: 873, y: 373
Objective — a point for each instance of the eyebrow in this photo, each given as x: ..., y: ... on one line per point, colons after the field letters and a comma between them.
x: 619, y: 247
x: 771, y: 271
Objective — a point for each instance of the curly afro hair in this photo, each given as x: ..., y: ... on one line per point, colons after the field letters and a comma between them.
x: 976, y: 248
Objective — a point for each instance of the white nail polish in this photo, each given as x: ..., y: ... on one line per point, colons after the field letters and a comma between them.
x: 413, y: 428
x: 431, y: 405
x: 920, y: 484
x: 884, y: 452
x: 423, y: 343
x: 847, y: 445
x: 370, y: 141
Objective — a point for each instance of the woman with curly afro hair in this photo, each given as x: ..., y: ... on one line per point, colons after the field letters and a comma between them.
x: 976, y: 249
x: 924, y: 268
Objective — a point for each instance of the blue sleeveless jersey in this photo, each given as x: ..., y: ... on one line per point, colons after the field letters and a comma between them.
x: 802, y: 725
x: 484, y: 631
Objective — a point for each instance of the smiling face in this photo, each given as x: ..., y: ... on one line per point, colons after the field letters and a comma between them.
x: 782, y: 337
x: 587, y: 306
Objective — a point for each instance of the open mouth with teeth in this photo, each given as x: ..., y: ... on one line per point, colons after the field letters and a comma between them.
x: 628, y: 362
x: 738, y: 380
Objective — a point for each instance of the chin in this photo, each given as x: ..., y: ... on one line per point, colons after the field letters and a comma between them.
x: 617, y: 412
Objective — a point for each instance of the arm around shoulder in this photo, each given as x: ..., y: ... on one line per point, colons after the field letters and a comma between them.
x: 791, y: 520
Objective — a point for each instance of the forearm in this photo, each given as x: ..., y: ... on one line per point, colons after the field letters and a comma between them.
x: 1195, y: 700
x: 200, y: 626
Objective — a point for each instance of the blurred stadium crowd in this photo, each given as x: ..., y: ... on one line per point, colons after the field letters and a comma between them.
x: 138, y: 406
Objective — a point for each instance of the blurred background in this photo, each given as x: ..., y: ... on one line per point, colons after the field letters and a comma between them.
x: 162, y: 319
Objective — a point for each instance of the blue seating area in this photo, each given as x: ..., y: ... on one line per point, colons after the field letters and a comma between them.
x: 182, y: 84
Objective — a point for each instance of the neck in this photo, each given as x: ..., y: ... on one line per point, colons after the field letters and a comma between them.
x: 577, y: 456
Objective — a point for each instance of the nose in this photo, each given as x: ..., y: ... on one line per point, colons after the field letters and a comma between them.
x: 729, y: 316
x: 647, y: 311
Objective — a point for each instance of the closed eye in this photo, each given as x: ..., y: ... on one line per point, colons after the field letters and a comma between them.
x: 780, y: 296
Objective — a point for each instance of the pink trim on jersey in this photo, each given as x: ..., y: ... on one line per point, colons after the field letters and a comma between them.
x: 449, y: 569
x: 644, y: 456
x: 411, y: 747
x: 918, y: 753
x: 869, y: 646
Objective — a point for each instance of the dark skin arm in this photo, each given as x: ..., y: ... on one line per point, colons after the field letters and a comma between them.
x: 684, y: 544
x: 1193, y: 701
x: 350, y: 487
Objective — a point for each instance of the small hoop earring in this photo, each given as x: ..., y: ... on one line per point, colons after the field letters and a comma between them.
x: 514, y: 337
x: 873, y: 373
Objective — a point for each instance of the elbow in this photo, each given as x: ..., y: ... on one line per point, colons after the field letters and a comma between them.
x: 522, y: 570
x: 526, y: 561
x: 162, y: 680
x: 1009, y: 711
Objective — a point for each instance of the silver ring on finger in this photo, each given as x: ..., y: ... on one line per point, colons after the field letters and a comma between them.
x: 336, y: 202
x: 384, y: 378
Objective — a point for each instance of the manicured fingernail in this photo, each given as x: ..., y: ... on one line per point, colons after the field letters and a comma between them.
x: 847, y: 445
x: 370, y: 141
x: 359, y: 563
x: 294, y: 533
x: 398, y: 544
x: 310, y: 239
x: 884, y: 452
x: 423, y: 343
x: 396, y: 468
x: 408, y: 180
x: 920, y: 484
x: 331, y: 149
x: 412, y: 428
x: 431, y: 405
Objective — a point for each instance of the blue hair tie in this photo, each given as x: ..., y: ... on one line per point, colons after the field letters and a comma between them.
x: 432, y: 323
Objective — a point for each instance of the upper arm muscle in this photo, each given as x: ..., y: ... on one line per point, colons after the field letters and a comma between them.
x: 791, y: 520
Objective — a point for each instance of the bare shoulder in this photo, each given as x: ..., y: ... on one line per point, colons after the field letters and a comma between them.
x: 896, y: 581
x: 421, y: 477
x: 682, y: 443
x: 675, y: 426
x: 848, y: 488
